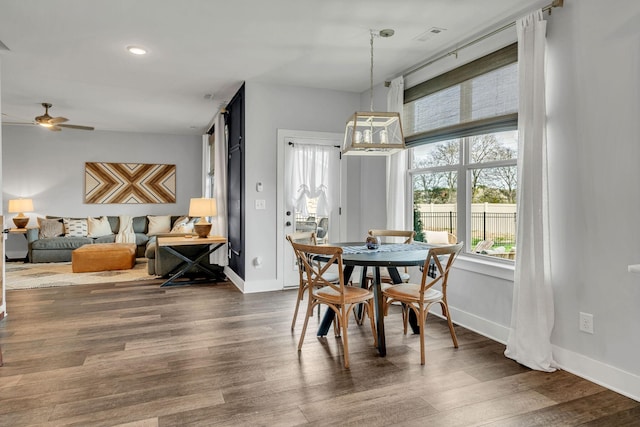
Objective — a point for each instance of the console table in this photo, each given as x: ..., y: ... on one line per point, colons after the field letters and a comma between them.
x: 209, y: 244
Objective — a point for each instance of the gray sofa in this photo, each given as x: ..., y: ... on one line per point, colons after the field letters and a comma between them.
x: 58, y: 249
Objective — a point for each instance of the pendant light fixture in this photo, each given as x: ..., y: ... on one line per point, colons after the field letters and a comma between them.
x: 373, y: 133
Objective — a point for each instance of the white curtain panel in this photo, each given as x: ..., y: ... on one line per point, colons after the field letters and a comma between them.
x: 219, y: 225
x: 532, y: 315
x: 396, y: 165
x: 311, y: 177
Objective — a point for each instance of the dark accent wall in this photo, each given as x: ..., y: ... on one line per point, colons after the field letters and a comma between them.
x: 235, y: 193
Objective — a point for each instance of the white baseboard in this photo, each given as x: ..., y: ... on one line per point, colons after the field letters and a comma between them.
x: 234, y: 278
x: 250, y: 287
x: 615, y: 379
x: 255, y: 286
x: 481, y: 326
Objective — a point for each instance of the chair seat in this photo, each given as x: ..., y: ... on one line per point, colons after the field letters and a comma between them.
x: 352, y: 294
x: 410, y: 292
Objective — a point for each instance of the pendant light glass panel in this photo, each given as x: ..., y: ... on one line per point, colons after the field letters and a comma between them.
x: 373, y: 134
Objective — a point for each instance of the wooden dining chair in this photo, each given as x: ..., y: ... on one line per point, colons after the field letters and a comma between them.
x: 339, y: 297
x: 391, y: 236
x: 309, y: 238
x: 420, y: 297
x: 440, y: 237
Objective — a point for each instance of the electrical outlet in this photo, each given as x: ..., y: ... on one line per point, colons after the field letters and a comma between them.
x: 586, y: 322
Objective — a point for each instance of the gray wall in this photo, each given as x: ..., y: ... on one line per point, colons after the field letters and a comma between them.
x: 593, y: 105
x: 594, y: 158
x: 49, y: 168
x: 269, y: 108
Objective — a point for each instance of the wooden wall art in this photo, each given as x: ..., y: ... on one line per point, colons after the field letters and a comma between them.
x: 129, y: 183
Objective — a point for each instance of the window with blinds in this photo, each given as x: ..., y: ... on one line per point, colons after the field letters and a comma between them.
x: 462, y: 130
x: 479, y: 97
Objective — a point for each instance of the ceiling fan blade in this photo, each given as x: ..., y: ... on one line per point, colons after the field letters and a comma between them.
x: 75, y: 127
x: 18, y: 123
x: 56, y: 120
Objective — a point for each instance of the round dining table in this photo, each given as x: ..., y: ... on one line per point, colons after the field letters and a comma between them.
x: 389, y: 256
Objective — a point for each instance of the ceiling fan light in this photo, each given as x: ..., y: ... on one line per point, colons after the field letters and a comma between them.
x: 137, y: 50
x: 46, y: 125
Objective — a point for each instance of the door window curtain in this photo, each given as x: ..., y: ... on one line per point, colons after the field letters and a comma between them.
x: 219, y: 225
x: 311, y: 177
x: 396, y: 164
x: 532, y: 316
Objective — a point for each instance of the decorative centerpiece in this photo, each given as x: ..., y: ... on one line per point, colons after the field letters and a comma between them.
x: 372, y: 242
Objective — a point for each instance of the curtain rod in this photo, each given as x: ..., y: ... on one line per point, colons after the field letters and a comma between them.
x: 553, y: 4
x: 310, y: 144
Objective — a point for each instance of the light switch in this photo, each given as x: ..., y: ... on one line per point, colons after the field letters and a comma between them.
x: 261, y: 204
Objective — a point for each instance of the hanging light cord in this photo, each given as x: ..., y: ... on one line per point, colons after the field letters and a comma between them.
x: 371, y: 75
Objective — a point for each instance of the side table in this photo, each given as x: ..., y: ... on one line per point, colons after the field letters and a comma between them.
x: 22, y: 231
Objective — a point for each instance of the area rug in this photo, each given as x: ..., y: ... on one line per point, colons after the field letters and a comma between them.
x: 46, y: 275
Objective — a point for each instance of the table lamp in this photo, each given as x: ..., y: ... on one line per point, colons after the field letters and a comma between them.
x: 203, y: 208
x: 20, y: 206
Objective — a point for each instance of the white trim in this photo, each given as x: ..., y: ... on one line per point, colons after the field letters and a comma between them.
x: 486, y: 267
x: 234, y: 278
x: 255, y: 286
x: 608, y: 376
x: 479, y: 325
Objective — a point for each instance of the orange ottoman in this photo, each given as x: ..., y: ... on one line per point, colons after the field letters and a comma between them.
x: 103, y: 257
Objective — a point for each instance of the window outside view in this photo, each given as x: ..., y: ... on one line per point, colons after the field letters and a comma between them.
x: 490, y: 176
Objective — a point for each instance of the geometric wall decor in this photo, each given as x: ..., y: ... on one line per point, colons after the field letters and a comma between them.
x: 129, y: 183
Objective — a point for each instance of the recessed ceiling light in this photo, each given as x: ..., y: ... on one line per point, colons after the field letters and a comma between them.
x: 137, y: 50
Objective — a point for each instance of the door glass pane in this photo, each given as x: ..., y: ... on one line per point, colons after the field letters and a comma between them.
x: 311, y: 221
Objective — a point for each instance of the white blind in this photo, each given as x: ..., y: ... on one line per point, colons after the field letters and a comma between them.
x: 490, y: 95
x: 476, y: 98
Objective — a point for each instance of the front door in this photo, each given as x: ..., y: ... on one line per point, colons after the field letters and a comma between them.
x: 312, y: 193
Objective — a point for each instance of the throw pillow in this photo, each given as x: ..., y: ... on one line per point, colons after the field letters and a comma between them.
x: 50, y: 228
x: 183, y: 225
x: 159, y: 224
x: 437, y: 237
x: 98, y: 227
x: 75, y: 227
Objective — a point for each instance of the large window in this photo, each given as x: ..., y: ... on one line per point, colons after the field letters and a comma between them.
x: 463, y: 132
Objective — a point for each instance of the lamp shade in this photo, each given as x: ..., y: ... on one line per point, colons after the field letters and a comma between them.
x: 202, y: 207
x: 373, y: 134
x: 20, y: 205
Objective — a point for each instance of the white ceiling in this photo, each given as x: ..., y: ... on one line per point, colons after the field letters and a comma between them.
x: 72, y: 54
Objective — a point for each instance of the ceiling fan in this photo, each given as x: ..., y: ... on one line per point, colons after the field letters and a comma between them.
x: 56, y: 123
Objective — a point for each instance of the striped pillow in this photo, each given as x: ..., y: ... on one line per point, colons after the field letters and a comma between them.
x: 75, y: 227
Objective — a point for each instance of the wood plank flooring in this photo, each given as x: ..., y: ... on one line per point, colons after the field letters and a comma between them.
x: 134, y: 354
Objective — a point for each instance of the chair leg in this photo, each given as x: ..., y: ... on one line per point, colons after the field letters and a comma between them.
x: 1, y: 356
x: 445, y: 312
x: 422, y: 319
x: 405, y: 317
x: 304, y: 327
x: 295, y: 312
x: 345, y: 340
x: 370, y: 311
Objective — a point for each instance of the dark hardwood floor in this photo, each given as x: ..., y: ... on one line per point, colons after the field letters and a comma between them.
x: 134, y: 354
